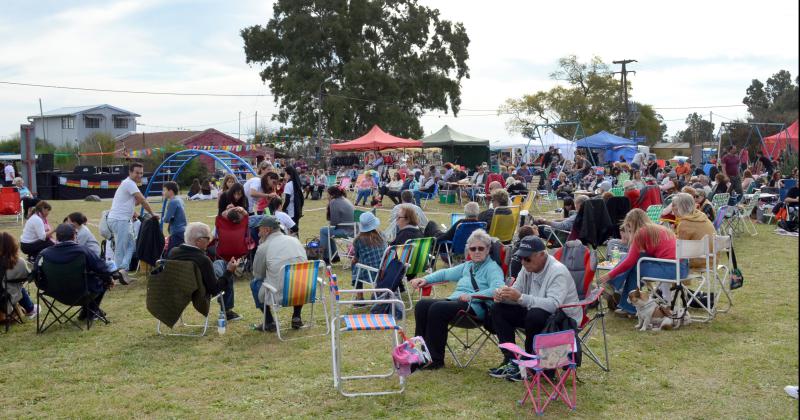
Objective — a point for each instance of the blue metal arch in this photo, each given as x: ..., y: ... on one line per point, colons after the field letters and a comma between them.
x: 171, y: 167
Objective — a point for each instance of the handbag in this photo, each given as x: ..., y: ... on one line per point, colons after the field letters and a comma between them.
x: 736, y: 276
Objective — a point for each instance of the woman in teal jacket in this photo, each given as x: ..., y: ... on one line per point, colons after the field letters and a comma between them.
x: 480, y: 276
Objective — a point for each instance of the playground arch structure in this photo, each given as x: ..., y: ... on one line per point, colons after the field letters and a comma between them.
x: 756, y: 131
x: 171, y: 167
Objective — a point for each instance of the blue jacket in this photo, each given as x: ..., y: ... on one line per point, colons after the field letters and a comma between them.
x: 488, y: 275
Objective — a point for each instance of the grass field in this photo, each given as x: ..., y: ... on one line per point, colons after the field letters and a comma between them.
x: 735, y: 366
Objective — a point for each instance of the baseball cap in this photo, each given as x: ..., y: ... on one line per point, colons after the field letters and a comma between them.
x: 270, y: 222
x: 529, y: 245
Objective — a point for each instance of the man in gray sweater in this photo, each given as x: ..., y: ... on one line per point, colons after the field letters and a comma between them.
x: 541, y: 287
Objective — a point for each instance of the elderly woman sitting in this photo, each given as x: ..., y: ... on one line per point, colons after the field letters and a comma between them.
x: 693, y: 224
x: 479, y: 276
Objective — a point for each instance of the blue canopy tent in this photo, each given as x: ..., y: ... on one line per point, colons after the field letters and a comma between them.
x: 613, y: 145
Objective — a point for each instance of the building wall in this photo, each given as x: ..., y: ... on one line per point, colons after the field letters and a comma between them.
x: 55, y: 134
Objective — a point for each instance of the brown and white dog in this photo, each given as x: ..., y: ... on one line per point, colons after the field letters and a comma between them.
x: 651, y: 314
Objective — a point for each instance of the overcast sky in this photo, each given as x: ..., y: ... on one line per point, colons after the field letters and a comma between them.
x: 690, y: 53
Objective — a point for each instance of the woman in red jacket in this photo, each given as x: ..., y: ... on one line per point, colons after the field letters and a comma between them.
x: 653, y: 241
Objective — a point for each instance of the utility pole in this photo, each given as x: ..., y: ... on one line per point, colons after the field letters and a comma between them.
x: 255, y: 130
x: 624, y: 72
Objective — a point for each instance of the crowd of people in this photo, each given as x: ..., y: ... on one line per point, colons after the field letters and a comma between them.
x: 272, y: 204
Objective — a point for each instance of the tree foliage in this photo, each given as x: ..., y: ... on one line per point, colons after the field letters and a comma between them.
x: 390, y: 61
x: 697, y: 130
x: 589, y: 94
x: 775, y: 102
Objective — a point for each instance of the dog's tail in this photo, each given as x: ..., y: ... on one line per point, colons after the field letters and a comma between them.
x: 667, y: 324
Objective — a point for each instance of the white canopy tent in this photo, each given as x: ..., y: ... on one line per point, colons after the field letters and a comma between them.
x: 530, y: 146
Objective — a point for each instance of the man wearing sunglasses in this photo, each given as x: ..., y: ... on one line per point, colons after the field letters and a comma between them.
x: 541, y: 287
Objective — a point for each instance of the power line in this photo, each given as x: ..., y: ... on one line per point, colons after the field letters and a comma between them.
x: 698, y: 107
x: 138, y: 92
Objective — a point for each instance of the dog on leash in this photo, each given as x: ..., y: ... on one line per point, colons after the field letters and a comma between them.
x: 650, y: 313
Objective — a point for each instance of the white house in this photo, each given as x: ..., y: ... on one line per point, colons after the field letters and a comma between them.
x: 71, y: 125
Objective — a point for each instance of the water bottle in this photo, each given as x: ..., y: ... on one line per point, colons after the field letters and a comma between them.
x: 222, y: 323
x: 614, y: 254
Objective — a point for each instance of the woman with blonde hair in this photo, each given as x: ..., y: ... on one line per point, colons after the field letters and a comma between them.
x: 650, y: 240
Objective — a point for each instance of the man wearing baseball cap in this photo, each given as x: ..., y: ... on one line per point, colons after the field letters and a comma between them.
x: 543, y: 284
x: 275, y: 251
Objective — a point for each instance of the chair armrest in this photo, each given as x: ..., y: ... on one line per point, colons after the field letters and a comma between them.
x: 366, y: 267
x: 593, y: 297
x: 269, y: 287
x: 515, y: 349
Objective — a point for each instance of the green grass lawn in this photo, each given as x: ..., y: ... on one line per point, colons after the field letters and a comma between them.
x: 735, y: 366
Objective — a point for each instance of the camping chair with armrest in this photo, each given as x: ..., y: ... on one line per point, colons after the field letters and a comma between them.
x: 719, y: 219
x: 170, y: 287
x: 423, y: 199
x: 553, y: 352
x: 64, y: 284
x: 466, y: 347
x: 300, y: 282
x: 342, y: 323
x: 618, y: 191
x: 345, y: 183
x: 527, y: 207
x: 719, y: 200
x: 457, y: 246
x: 654, y: 213
x: 582, y: 265
x: 686, y: 249
x: 723, y: 244
x: 11, y: 203
x: 10, y: 311
x: 454, y: 217
x: 504, y: 226
x: 420, y: 254
x: 343, y: 241
x: 518, y: 200
x: 233, y: 239
x: 740, y: 220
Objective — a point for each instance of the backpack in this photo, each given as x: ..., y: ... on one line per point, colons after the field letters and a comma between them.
x: 390, y: 278
x: 559, y: 321
x: 105, y: 230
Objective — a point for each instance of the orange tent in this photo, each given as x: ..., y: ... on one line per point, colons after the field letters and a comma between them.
x: 775, y: 144
x: 376, y: 139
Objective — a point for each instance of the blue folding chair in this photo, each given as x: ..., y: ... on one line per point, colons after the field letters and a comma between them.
x: 459, y: 243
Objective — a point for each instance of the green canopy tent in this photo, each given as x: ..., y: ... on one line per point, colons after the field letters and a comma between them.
x: 458, y: 147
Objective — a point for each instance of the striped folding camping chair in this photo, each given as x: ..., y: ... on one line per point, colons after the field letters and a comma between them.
x: 420, y: 262
x: 350, y: 323
x: 654, y: 213
x: 300, y: 282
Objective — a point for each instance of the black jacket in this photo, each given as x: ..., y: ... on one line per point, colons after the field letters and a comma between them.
x: 189, y: 253
x: 405, y: 234
x: 618, y: 208
x: 150, y: 243
x: 592, y: 224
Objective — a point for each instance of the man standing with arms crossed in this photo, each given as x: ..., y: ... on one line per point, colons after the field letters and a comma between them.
x: 120, y: 218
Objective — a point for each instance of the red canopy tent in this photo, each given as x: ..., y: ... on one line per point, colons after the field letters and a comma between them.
x: 376, y: 139
x: 775, y: 144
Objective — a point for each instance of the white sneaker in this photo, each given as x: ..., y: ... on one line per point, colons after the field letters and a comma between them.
x: 791, y: 390
x: 32, y: 314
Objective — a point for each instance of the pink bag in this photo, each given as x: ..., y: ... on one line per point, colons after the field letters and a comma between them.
x: 411, y: 351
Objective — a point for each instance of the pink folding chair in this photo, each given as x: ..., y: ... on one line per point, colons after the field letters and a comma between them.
x: 555, y: 352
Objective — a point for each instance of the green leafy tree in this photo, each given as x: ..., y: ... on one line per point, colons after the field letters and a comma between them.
x: 697, y: 130
x: 388, y: 62
x: 589, y: 93
x: 775, y: 102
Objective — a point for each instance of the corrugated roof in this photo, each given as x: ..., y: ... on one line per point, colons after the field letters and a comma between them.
x: 136, y: 141
x: 72, y: 110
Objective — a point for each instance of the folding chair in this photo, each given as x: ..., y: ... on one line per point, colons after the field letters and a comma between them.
x: 454, y: 217
x: 582, y: 264
x: 342, y: 241
x: 553, y: 238
x: 458, y: 244
x: 686, y: 249
x: 723, y: 244
x: 10, y: 312
x: 345, y: 183
x: 170, y: 287
x: 654, y: 213
x: 300, y: 282
x: 719, y: 200
x: 527, y: 207
x: 374, y: 274
x: 421, y: 260
x: 548, y: 200
x: 233, y: 239
x: 554, y: 352
x: 71, y: 290
x: 468, y: 347
x: 341, y: 323
x: 618, y: 191
x: 11, y: 203
x: 719, y: 219
x: 504, y: 224
x: 517, y: 200
x: 423, y: 200
x: 740, y: 220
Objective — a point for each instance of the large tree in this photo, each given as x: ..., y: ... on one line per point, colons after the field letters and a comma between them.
x: 388, y: 62
x: 589, y: 93
x: 777, y: 101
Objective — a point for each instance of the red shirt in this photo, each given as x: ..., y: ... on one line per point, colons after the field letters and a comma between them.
x: 731, y: 165
x: 664, y: 248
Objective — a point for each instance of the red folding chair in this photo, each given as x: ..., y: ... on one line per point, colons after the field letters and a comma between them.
x: 10, y: 203
x: 233, y: 239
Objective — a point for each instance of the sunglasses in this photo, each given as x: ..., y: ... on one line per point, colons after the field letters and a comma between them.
x: 527, y: 259
x: 477, y: 248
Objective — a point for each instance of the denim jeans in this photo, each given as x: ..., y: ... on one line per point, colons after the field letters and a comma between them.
x: 219, y: 269
x: 418, y: 195
x: 26, y: 302
x: 363, y: 195
x: 626, y: 281
x: 123, y: 242
x: 324, y: 236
